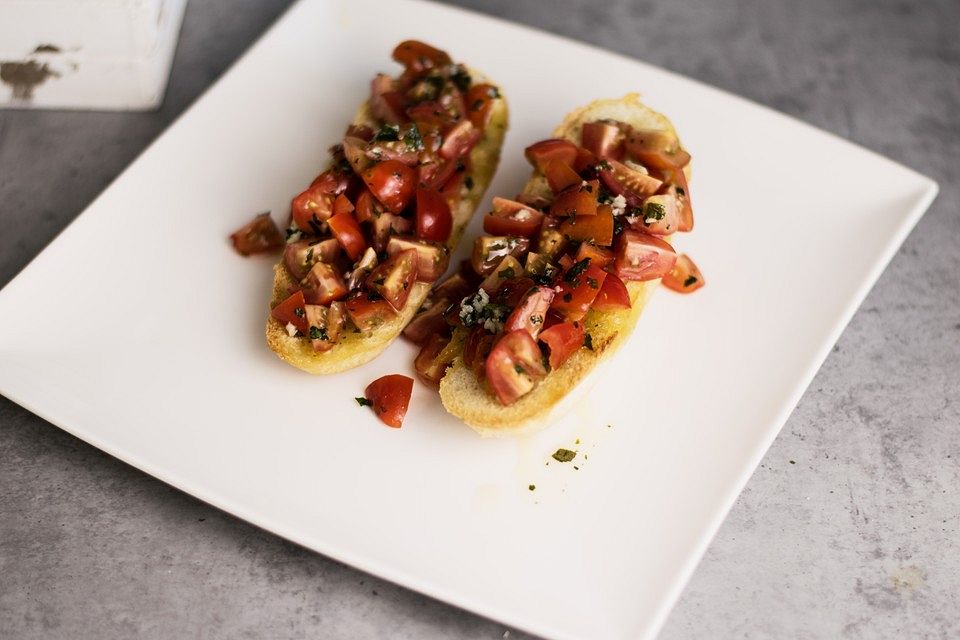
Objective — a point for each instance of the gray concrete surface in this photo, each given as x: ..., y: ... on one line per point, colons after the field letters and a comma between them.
x: 848, y: 529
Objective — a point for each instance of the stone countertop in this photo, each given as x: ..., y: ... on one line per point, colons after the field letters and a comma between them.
x: 849, y: 528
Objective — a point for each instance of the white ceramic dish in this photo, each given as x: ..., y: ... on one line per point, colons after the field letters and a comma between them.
x: 140, y: 331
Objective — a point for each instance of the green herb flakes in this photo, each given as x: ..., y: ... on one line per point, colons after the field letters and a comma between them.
x: 564, y: 455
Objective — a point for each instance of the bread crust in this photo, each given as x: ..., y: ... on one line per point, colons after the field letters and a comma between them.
x: 355, y: 349
x: 460, y: 391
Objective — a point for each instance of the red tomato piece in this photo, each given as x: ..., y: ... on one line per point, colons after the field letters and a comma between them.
x: 675, y: 183
x: 260, y: 235
x: 429, y: 322
x: 597, y: 229
x: 419, y: 57
x: 660, y: 215
x: 613, y: 295
x: 685, y: 276
x: 342, y: 204
x: 531, y: 313
x: 630, y: 183
x: 641, y: 256
x: 365, y: 314
x: 310, y: 208
x: 389, y: 397
x: 394, y: 279
x: 577, y: 292
x: 385, y: 101
x: 579, y: 200
x: 479, y: 99
x: 599, y: 256
x: 392, y: 182
x: 323, y: 284
x: 562, y: 339
x: 560, y: 175
x: 432, y: 258
x: 324, y: 325
x: 431, y: 363
x: 367, y: 207
x: 656, y: 150
x: 488, y: 251
x: 434, y: 221
x: 301, y: 255
x: 511, y: 218
x: 459, y: 140
x: 540, y: 153
x: 292, y: 311
x: 514, y: 366
x: 388, y: 225
x: 347, y: 231
x: 603, y: 139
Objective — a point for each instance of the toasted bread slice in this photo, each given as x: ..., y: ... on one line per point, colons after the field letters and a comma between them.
x: 465, y: 397
x: 355, y: 349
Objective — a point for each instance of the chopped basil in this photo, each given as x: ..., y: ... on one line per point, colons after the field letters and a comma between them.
x: 412, y: 137
x: 536, y: 319
x: 680, y: 191
x: 518, y: 369
x: 506, y: 273
x: 363, y: 402
x: 576, y: 269
x: 689, y: 281
x: 468, y: 182
x: 564, y: 455
x: 300, y: 312
x: 475, y: 105
x: 388, y: 133
x: 592, y: 283
x: 654, y: 211
x: 532, y: 487
x: 461, y: 78
x: 318, y: 333
x: 568, y: 297
x: 588, y: 341
x: 493, y: 92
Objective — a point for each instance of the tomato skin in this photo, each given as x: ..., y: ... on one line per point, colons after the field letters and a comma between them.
x: 641, y: 256
x: 479, y: 100
x: 431, y: 363
x: 613, y: 295
x: 675, y: 183
x: 393, y: 279
x: 419, y: 57
x: 300, y: 256
x: 385, y: 101
x: 597, y: 228
x: 603, y: 139
x: 669, y: 223
x: 508, y: 269
x: 387, y: 225
x: 367, y: 207
x: 599, y: 256
x: 365, y: 314
x: 323, y: 284
x: 560, y: 175
x: 579, y: 199
x: 563, y: 340
x: 633, y: 185
x: 530, y: 314
x: 347, y: 231
x: 679, y: 277
x: 260, y: 235
x: 656, y: 150
x: 390, y: 397
x: 540, y: 153
x: 342, y: 204
x: 488, y: 251
x: 434, y: 221
x: 575, y: 298
x: 459, y: 140
x: 475, y: 350
x: 514, y: 366
x: 392, y: 183
x: 310, y: 208
x: 292, y: 310
x: 432, y: 258
x: 427, y: 323
x: 324, y: 325
x: 511, y: 218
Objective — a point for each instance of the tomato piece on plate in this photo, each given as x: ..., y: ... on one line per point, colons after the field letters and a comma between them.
x: 291, y: 311
x: 597, y: 228
x: 488, y: 251
x: 514, y: 366
x: 562, y: 339
x: 656, y: 150
x: 560, y: 175
x: 389, y: 398
x: 434, y: 358
x: 479, y: 100
x: 641, y: 256
x: 347, y: 231
x: 530, y: 314
x: 685, y: 276
x: 393, y: 279
x: 599, y: 256
x: 613, y: 295
x: 323, y: 284
x: 577, y: 200
x: 365, y: 314
x: 260, y: 235
x: 419, y: 57
x: 578, y: 289
x: 511, y: 218
x: 392, y: 183
x: 434, y: 221
x: 603, y: 139
x: 540, y: 153
x: 459, y: 140
x: 432, y: 258
x: 634, y: 185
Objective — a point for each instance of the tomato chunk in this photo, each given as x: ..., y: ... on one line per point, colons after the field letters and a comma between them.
x: 488, y: 251
x: 685, y: 276
x: 434, y: 358
x: 432, y: 258
x: 323, y: 284
x: 511, y: 218
x: 656, y: 150
x: 578, y: 289
x: 291, y: 311
x: 634, y: 185
x: 475, y: 350
x: 560, y: 175
x: 368, y: 208
x: 385, y: 101
x: 597, y: 228
x: 479, y: 99
x: 392, y: 182
x: 599, y: 256
x: 427, y: 323
x: 660, y: 215
x: 260, y: 235
x: 366, y: 314
x: 434, y: 221
x: 531, y: 312
x: 579, y: 200
x: 347, y: 232
x: 394, y: 278
x: 641, y: 256
x: 613, y: 295
x: 514, y: 366
x: 301, y: 255
x: 540, y: 153
x: 419, y: 57
x: 324, y: 325
x: 389, y: 398
x: 603, y: 139
x: 562, y: 339
x: 459, y: 140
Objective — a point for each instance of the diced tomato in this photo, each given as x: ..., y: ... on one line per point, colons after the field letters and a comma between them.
x: 488, y: 251
x: 389, y: 397
x: 429, y: 322
x: 332, y: 181
x: 323, y: 284
x: 540, y: 153
x: 550, y: 241
x: 342, y: 204
x: 365, y: 314
x: 675, y: 183
x: 599, y: 256
x: 539, y: 265
x: 452, y: 188
x: 560, y: 175
x: 479, y: 99
x: 455, y: 287
x: 511, y: 218
x: 579, y: 199
x: 394, y: 279
x: 436, y: 173
x: 398, y: 150
x: 392, y: 182
x: 292, y: 311
x: 532, y: 312
x: 434, y: 221
x: 685, y: 276
x: 476, y: 348
x: 387, y: 225
x: 324, y: 325
x: 385, y: 101
x: 363, y: 132
x: 508, y: 268
x: 355, y: 151
x: 641, y: 256
x: 459, y: 140
x: 603, y: 139
x: 584, y: 160
x: 630, y: 183
x: 578, y: 292
x: 597, y: 229
x: 347, y: 231
x: 419, y: 57
x: 514, y: 366
x: 260, y: 235
x: 513, y: 291
x: 432, y: 258
x: 660, y: 215
x: 613, y: 295
x: 310, y: 208
x: 432, y: 361
x: 367, y: 207
x: 656, y: 150
x: 566, y: 261
x: 430, y: 114
x: 299, y: 256
x: 533, y: 201
x: 562, y: 339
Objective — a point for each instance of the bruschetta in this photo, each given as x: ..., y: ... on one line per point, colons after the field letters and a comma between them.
x: 564, y: 270
x: 373, y: 231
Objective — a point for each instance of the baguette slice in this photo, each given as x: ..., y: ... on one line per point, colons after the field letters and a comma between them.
x: 355, y: 349
x: 460, y: 391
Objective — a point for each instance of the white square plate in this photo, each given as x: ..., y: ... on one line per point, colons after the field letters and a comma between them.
x: 140, y: 331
